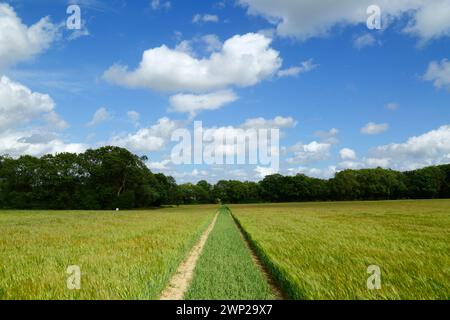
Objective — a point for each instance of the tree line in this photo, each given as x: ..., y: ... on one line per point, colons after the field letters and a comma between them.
x: 113, y: 177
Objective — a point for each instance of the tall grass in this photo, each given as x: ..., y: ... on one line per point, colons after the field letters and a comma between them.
x: 225, y: 269
x: 125, y: 255
x: 323, y: 250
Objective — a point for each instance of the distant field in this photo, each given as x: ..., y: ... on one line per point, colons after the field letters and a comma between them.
x: 322, y: 250
x: 129, y: 255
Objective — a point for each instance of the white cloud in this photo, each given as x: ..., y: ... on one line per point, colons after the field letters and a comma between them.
x: 392, y: 106
x: 100, y: 116
x: 212, y: 42
x: 55, y: 120
x: 19, y: 108
x: 148, y: 139
x: 276, y: 123
x: 134, y: 117
x: 199, y: 18
x: 311, y: 18
x: 431, y: 21
x: 19, y: 42
x: 374, y: 128
x: 324, y: 173
x: 306, y: 66
x: 308, y: 153
x: 157, y: 4
x: 349, y: 164
x: 262, y: 172
x: 329, y: 136
x: 375, y: 162
x: 159, y: 166
x: 365, y: 40
x: 439, y: 73
x: 347, y: 154
x: 430, y: 148
x: 17, y: 143
x: 192, y: 103
x: 249, y: 59
x: 19, y: 105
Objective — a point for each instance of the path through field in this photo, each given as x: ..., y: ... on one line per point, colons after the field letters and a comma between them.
x: 179, y: 283
x: 222, y: 266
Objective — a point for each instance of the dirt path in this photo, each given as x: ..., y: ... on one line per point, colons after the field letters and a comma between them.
x: 179, y: 283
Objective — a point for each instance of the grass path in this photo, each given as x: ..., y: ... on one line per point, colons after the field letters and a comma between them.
x: 179, y: 283
x: 226, y: 269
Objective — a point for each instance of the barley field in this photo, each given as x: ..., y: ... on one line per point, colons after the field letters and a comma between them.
x: 308, y: 250
x: 323, y: 250
x: 125, y: 255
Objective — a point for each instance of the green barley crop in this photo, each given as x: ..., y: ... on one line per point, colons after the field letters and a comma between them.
x: 125, y: 255
x: 323, y: 250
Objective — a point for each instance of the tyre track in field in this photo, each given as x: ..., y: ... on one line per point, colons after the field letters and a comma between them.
x: 273, y: 285
x: 180, y: 282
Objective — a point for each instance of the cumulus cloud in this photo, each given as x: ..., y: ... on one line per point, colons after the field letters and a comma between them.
x: 329, y: 136
x: 249, y: 60
x: 365, y: 40
x: 262, y: 172
x: 305, y: 66
x: 347, y: 154
x: 431, y: 21
x: 275, y: 123
x: 100, y: 116
x: 55, y: 120
x: 309, y: 153
x: 439, y: 74
x: 194, y: 103
x: 159, y: 166
x: 20, y: 105
x: 324, y: 173
x: 17, y: 143
x: 428, y: 19
x: 374, y: 128
x: 19, y: 42
x: 22, y: 108
x: 204, y: 18
x: 148, y: 139
x: 427, y: 149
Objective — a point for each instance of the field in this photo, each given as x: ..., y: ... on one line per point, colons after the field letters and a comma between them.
x: 323, y: 250
x: 311, y: 250
x: 126, y: 255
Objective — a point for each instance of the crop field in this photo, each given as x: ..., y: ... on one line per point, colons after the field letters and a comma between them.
x: 125, y: 255
x: 249, y: 252
x: 323, y: 250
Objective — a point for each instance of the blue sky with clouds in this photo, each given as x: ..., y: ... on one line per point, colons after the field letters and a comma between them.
x: 344, y: 96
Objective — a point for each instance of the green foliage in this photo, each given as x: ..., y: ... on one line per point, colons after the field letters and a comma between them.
x: 112, y: 177
x: 105, y: 178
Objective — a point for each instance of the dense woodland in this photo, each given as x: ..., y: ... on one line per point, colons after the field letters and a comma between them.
x: 112, y: 177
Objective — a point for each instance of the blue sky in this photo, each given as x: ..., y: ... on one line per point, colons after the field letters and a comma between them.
x: 344, y: 96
